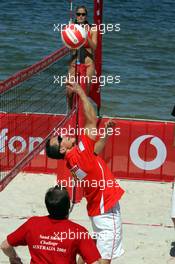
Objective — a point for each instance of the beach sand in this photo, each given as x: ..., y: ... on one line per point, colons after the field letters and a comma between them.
x: 145, y: 207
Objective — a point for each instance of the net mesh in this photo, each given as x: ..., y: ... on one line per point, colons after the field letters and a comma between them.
x: 39, y: 94
x: 26, y: 121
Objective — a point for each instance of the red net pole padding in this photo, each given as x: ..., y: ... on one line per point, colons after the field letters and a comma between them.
x: 80, y: 72
x: 25, y: 74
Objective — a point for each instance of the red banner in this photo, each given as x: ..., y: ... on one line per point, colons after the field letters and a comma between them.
x: 137, y: 150
x: 142, y: 151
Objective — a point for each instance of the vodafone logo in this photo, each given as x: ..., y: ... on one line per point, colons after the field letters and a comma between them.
x: 13, y: 142
x: 158, y: 160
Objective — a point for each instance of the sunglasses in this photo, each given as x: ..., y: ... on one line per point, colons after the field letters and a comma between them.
x: 81, y: 14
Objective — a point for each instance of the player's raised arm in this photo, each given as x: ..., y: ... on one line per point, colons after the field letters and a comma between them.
x: 99, y: 145
x: 89, y: 111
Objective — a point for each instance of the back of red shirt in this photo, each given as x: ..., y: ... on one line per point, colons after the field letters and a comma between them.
x: 53, y: 241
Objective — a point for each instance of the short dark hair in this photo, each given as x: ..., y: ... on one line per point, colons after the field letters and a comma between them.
x: 57, y: 202
x: 83, y: 7
x: 53, y: 151
x: 78, y: 7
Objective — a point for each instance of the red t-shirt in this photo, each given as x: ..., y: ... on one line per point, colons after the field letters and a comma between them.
x: 100, y: 187
x: 53, y: 241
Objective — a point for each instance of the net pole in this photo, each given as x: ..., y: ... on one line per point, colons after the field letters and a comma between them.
x: 71, y: 12
x: 80, y: 72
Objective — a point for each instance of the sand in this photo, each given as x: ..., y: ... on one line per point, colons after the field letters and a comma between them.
x: 147, y: 227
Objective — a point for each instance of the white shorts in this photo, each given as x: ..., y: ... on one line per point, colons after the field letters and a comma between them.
x: 108, y: 232
x: 173, y: 203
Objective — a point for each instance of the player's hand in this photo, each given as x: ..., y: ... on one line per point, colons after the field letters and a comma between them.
x: 109, y: 123
x: 15, y: 260
x: 73, y: 87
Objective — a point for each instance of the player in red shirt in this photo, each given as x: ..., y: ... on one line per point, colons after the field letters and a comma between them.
x: 52, y: 239
x: 100, y: 187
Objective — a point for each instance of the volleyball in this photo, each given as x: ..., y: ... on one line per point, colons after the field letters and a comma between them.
x: 73, y: 36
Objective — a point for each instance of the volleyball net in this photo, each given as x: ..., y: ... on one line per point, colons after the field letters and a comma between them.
x: 33, y: 100
x: 22, y: 97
